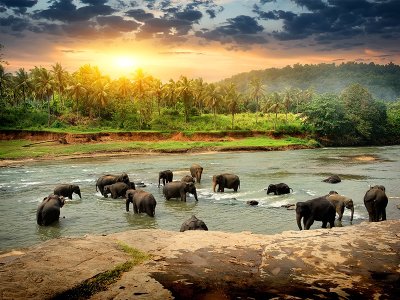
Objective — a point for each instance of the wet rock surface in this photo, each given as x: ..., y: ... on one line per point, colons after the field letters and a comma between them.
x: 354, y: 262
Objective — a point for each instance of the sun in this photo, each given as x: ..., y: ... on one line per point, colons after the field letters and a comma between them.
x: 125, y: 62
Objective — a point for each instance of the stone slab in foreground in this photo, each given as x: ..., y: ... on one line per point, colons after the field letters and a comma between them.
x: 353, y: 262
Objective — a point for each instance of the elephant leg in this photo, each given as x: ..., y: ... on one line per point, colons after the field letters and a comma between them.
x: 135, y: 208
x: 324, y: 223
x: 308, y: 223
x: 341, y: 211
x: 183, y: 196
x: 383, y: 213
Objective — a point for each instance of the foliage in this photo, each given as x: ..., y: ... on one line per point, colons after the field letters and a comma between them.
x: 273, y: 99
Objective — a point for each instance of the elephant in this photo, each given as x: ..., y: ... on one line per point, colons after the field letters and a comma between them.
x: 178, y: 189
x: 143, y: 202
x: 252, y: 202
x: 196, y: 170
x: 117, y: 189
x: 193, y: 224
x: 229, y: 181
x: 279, y: 189
x: 48, y: 211
x: 166, y: 177
x: 188, y: 178
x: 318, y: 209
x: 340, y: 202
x: 110, y: 179
x: 375, y: 200
x: 67, y: 190
x: 332, y: 179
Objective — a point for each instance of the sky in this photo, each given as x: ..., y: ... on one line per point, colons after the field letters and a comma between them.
x: 210, y: 39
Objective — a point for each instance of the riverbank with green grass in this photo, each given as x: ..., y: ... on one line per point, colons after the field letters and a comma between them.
x: 47, y: 145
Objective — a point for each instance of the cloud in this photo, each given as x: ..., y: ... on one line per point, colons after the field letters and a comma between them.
x: 241, y: 30
x: 66, y: 11
x: 334, y: 20
x: 18, y: 3
x: 117, y: 23
x: 139, y: 14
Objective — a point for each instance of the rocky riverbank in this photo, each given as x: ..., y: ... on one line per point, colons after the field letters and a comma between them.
x: 354, y: 262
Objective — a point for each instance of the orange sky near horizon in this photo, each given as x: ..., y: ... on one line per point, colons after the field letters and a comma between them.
x: 212, y: 39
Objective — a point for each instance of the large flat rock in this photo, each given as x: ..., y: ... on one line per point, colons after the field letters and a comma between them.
x: 353, y: 262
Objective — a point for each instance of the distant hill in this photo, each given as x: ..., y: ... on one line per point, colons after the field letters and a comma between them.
x: 383, y: 81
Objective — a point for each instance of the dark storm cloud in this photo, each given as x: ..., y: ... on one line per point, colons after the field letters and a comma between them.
x: 16, y: 24
x: 139, y: 14
x: 66, y: 11
x: 241, y: 30
x: 336, y: 20
x: 94, y: 2
x: 118, y: 23
x: 18, y: 3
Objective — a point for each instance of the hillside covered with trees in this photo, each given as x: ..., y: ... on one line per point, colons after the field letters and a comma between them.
x: 284, y: 101
x: 382, y: 81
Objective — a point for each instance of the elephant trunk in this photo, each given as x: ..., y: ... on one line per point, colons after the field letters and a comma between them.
x: 79, y: 194
x: 214, y: 185
x: 352, y: 213
x: 127, y: 204
x: 195, y: 195
x: 298, y: 219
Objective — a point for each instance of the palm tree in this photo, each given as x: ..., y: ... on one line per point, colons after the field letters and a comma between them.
x: 184, y: 90
x: 170, y: 93
x: 288, y: 98
x: 100, y: 93
x: 76, y: 90
x: 124, y: 88
x: 158, y: 91
x: 274, y: 104
x: 60, y: 80
x: 22, y: 82
x: 5, y: 79
x: 43, y: 83
x: 141, y: 89
x: 199, y: 91
x: 213, y: 99
x: 257, y: 91
x: 232, y: 99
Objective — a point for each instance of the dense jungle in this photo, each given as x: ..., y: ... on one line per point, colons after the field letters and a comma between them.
x: 346, y: 104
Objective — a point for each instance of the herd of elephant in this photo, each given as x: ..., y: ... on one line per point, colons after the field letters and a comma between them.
x: 322, y: 208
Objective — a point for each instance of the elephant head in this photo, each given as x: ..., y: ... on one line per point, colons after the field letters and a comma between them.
x: 123, y: 178
x: 348, y: 203
x: 271, y: 189
x: 107, y: 190
x: 218, y: 180
x: 76, y: 190
x: 191, y: 188
x: 302, y: 210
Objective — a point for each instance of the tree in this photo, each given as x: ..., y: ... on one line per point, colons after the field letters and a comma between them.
x: 60, y: 80
x: 326, y: 114
x: 43, y: 83
x: 184, y: 90
x: 367, y: 116
x: 213, y: 99
x: 274, y: 104
x: 76, y: 90
x: 256, y: 92
x: 232, y: 99
x: 5, y: 79
x: 22, y: 82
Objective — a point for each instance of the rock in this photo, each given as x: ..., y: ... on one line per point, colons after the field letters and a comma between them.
x: 332, y: 179
x: 252, y: 202
x: 351, y: 262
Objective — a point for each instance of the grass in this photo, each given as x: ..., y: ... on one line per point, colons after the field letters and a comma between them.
x: 101, y: 281
x: 18, y: 149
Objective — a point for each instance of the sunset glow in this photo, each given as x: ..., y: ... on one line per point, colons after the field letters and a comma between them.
x: 208, y: 39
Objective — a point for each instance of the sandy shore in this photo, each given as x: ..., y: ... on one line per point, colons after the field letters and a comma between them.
x: 354, y: 262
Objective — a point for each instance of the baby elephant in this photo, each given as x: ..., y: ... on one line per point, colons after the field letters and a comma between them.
x: 117, y: 189
x: 340, y: 202
x: 67, y: 190
x: 318, y: 209
x: 278, y: 189
x: 193, y: 224
x: 49, y: 210
x: 143, y: 202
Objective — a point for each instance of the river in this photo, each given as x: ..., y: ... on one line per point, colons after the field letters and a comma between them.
x: 23, y: 188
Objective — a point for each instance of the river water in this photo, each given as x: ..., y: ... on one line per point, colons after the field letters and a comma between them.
x: 23, y: 188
